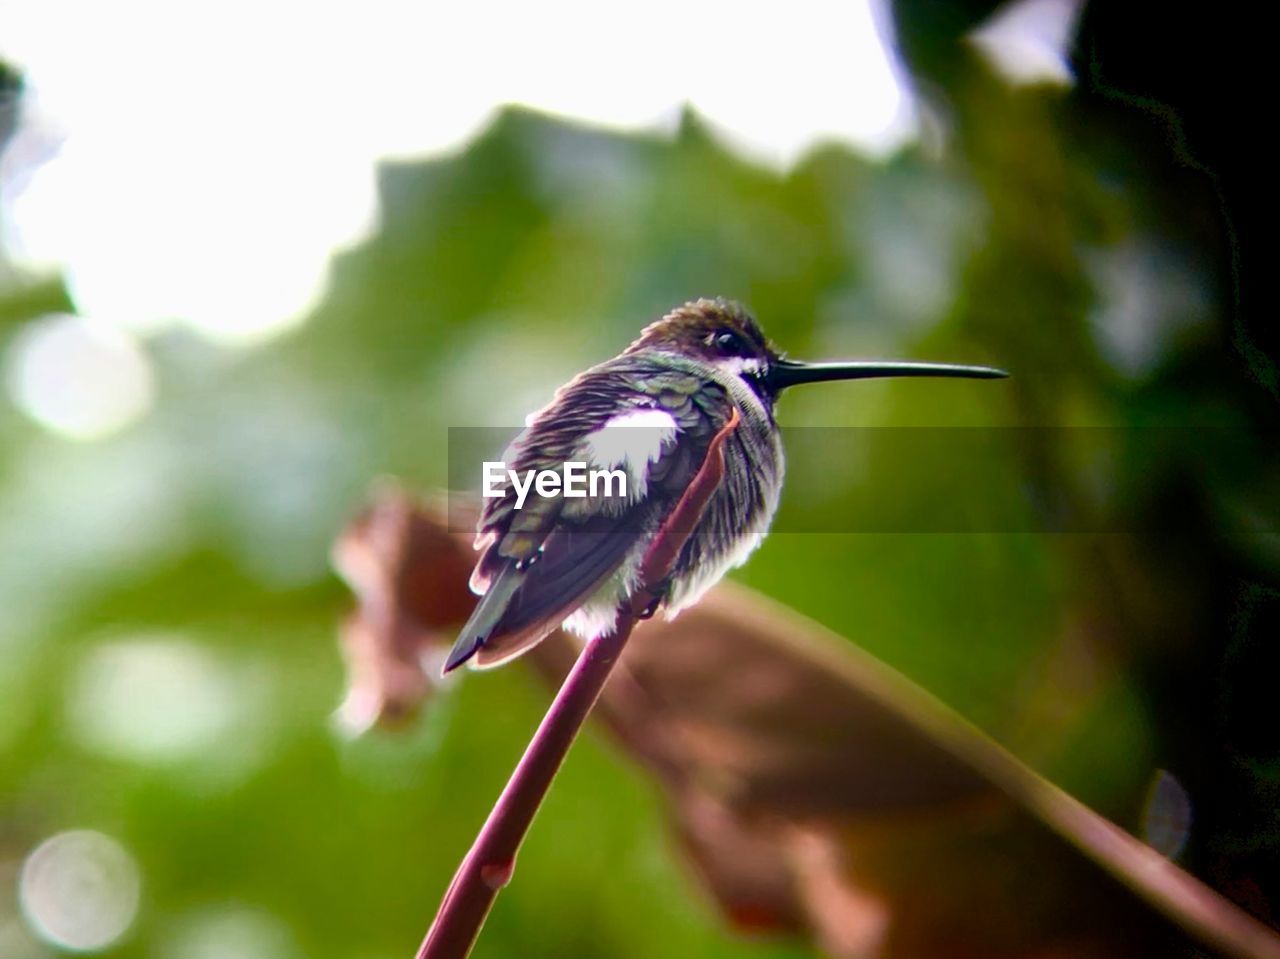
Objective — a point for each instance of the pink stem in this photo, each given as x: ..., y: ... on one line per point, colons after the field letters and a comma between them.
x: 489, y: 864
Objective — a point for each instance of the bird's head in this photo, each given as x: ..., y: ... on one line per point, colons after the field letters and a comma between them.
x: 719, y: 332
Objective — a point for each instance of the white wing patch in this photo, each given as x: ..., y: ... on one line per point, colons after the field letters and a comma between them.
x: 631, y: 441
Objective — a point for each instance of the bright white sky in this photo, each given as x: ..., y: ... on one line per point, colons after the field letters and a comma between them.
x: 211, y: 156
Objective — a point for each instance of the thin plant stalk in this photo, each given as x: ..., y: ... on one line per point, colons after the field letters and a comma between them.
x: 490, y: 863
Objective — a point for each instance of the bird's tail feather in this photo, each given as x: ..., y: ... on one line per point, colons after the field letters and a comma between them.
x: 485, y: 617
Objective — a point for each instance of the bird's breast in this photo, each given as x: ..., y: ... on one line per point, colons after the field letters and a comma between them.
x: 740, y: 511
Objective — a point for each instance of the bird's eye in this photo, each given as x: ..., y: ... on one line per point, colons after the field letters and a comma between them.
x: 730, y: 343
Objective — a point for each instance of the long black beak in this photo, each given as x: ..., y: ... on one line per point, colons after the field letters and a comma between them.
x: 785, y: 373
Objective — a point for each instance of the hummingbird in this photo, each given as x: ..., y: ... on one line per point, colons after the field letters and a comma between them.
x: 652, y: 412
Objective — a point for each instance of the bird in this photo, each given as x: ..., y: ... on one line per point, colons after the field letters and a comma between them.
x: 649, y: 413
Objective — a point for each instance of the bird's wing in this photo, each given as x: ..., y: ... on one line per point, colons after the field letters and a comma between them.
x: 522, y: 606
x: 541, y: 562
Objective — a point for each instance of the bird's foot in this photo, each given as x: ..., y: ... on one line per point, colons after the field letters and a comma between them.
x: 657, y: 594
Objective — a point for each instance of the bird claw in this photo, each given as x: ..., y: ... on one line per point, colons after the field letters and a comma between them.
x: 659, y: 593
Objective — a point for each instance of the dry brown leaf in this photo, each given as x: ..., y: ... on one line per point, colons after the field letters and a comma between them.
x: 409, y: 575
